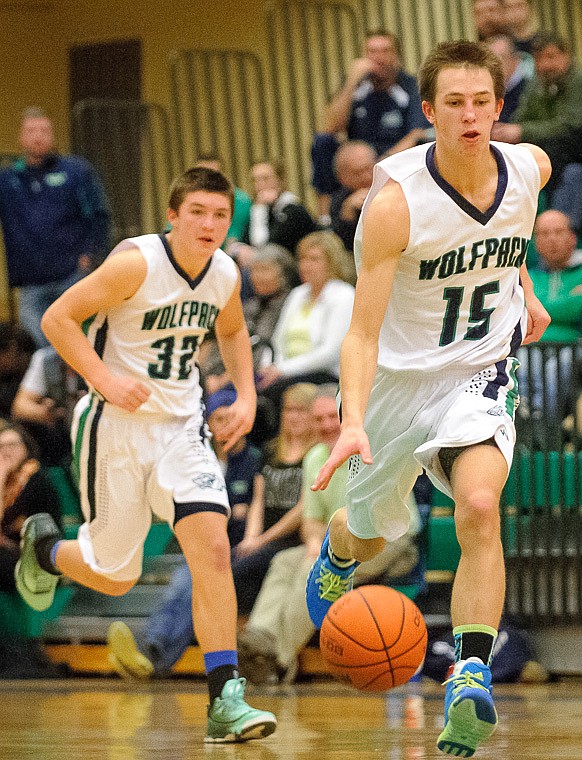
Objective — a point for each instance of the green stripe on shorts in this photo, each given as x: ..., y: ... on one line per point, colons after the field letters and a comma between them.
x: 76, y: 463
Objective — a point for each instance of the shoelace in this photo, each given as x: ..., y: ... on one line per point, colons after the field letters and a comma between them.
x: 467, y: 678
x: 332, y: 586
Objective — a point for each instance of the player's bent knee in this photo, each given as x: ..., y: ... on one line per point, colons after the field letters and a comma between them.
x: 220, y: 558
x: 215, y: 557
x: 479, y: 516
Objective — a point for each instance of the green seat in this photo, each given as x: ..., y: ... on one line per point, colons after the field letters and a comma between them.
x: 71, y: 514
x: 539, y: 479
x: 159, y: 536
x: 444, y: 551
x: 18, y: 619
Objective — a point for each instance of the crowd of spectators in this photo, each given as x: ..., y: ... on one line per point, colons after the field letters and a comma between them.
x: 298, y: 288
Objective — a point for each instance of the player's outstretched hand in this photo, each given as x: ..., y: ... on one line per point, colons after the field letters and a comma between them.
x: 125, y: 392
x: 241, y: 419
x: 537, y: 321
x: 351, y: 441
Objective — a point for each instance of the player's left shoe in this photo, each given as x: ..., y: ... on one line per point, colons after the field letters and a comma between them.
x: 35, y: 585
x: 470, y: 715
x: 230, y: 719
x: 326, y: 582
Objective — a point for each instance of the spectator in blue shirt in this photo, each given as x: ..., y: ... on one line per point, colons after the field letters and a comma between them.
x: 55, y: 219
x: 378, y: 103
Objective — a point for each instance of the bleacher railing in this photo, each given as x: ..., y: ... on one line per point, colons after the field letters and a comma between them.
x: 132, y: 146
x: 541, y: 509
x: 221, y: 105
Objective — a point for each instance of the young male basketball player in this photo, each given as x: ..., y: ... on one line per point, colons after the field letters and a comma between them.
x: 140, y: 441
x: 428, y: 365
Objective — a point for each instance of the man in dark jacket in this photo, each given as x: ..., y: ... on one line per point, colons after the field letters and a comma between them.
x: 549, y: 113
x: 378, y: 103
x: 55, y: 220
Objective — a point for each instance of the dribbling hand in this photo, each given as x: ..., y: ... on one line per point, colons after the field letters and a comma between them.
x: 351, y: 441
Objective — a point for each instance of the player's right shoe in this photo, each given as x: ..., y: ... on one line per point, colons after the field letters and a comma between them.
x: 123, y: 653
x: 470, y: 715
x: 230, y: 719
x: 35, y: 585
x: 326, y: 582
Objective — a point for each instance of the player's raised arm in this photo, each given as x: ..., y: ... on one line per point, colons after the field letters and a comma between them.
x: 385, y: 236
x: 117, y: 279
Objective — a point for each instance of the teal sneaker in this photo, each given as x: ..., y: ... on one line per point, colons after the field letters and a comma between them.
x: 35, y: 585
x: 326, y: 582
x: 230, y: 719
x: 470, y: 716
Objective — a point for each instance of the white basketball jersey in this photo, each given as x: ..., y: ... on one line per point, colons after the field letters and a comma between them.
x: 457, y: 297
x: 156, y: 334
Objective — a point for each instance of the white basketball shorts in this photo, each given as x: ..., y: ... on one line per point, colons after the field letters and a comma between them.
x: 130, y: 466
x: 409, y: 418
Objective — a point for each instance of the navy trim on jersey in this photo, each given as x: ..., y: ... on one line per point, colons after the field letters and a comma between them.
x: 479, y: 216
x: 92, y: 461
x: 193, y: 283
x: 516, y: 339
x: 101, y: 339
x: 499, y: 381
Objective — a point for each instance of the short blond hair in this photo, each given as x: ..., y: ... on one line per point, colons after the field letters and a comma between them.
x: 300, y: 393
x: 339, y: 261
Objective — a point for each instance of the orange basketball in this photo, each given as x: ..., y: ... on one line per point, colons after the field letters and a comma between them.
x: 374, y: 638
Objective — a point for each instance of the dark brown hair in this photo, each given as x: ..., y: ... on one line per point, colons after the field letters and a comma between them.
x: 200, y: 178
x: 459, y: 54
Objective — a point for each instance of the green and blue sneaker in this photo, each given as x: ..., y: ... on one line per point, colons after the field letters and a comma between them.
x: 35, y: 585
x: 326, y: 582
x: 230, y: 719
x: 470, y: 716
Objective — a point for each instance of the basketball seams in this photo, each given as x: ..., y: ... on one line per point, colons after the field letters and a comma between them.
x: 423, y: 635
x: 362, y: 596
x: 403, y: 610
x: 377, y: 611
x: 355, y: 641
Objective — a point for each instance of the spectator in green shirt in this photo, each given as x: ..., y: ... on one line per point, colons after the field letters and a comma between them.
x: 557, y: 282
x: 558, y: 278
x: 549, y: 113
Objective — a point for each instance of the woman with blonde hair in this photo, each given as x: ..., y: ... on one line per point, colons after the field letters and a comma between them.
x: 275, y: 512
x: 314, y: 319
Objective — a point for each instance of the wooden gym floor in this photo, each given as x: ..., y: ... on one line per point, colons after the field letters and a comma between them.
x: 103, y: 719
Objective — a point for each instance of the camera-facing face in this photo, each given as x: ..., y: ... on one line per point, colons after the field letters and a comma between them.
x: 37, y: 136
x: 552, y: 64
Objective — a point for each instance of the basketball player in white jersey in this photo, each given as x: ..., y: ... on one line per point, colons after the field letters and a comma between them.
x: 443, y: 301
x: 141, y: 445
